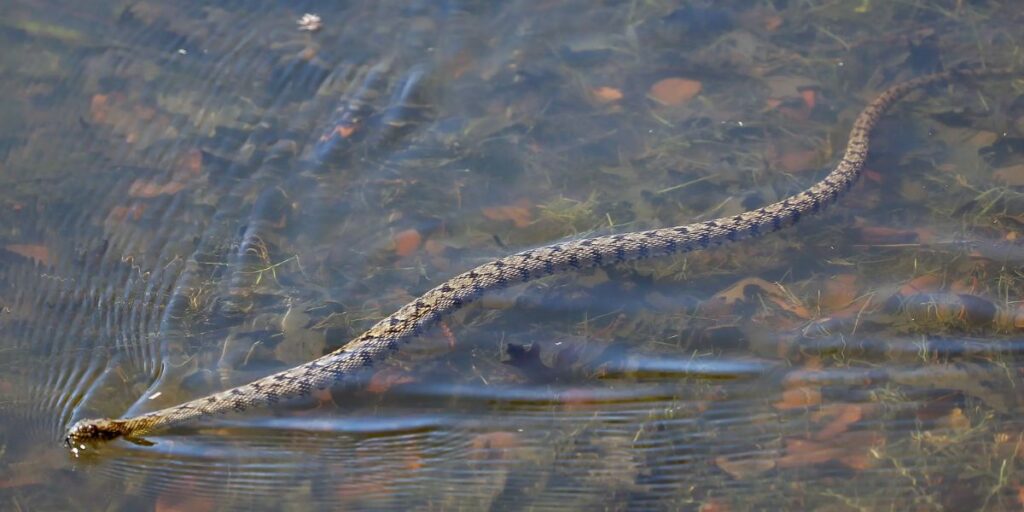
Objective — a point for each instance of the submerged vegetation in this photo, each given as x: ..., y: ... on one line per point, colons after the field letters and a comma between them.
x: 197, y: 196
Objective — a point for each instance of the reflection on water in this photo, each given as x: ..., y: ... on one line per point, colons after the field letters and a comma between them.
x: 198, y: 195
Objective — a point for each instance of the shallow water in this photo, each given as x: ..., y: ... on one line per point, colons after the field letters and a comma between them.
x: 199, y: 195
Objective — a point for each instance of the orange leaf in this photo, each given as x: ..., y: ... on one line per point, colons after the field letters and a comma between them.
x: 434, y: 248
x: 839, y: 292
x: 744, y: 468
x: 149, y: 189
x: 119, y: 213
x: 887, y: 235
x: 99, y: 107
x: 492, y: 445
x: 801, y: 452
x: 926, y: 283
x: 772, y: 23
x: 848, y: 415
x: 675, y: 91
x: 798, y: 398
x: 796, y: 161
x: 387, y: 379
x: 37, y: 253
x: 606, y: 94
x: 1012, y: 175
x: 810, y: 96
x: 518, y: 213
x: 406, y: 242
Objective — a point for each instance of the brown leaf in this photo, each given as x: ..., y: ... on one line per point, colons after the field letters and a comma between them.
x: 118, y: 214
x: 387, y: 379
x: 803, y: 452
x: 518, y: 213
x: 809, y: 95
x: 149, y: 189
x: 772, y: 23
x: 406, y: 242
x: 798, y: 160
x: 886, y: 235
x: 37, y: 253
x: 848, y: 414
x: 746, y: 289
x: 606, y: 94
x: 744, y: 468
x: 839, y: 292
x: 799, y: 398
x: 926, y: 283
x: 1012, y: 175
x: 99, y: 107
x: 493, y: 445
x: 853, y: 449
x: 675, y: 91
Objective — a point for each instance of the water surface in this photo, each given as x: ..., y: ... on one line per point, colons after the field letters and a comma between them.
x: 199, y: 195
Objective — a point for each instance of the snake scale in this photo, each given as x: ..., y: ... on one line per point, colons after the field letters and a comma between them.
x: 388, y: 335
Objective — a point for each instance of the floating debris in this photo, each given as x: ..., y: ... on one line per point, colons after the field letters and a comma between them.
x: 310, y: 22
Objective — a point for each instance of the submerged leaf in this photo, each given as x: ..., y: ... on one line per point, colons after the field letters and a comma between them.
x: 675, y: 91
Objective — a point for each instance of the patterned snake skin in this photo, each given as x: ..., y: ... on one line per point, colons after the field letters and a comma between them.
x: 388, y: 335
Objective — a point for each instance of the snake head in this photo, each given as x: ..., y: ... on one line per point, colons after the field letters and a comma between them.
x: 91, y: 431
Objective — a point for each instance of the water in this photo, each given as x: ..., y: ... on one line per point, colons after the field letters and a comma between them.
x: 197, y: 196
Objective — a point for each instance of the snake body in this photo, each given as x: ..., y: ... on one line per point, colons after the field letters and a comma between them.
x: 388, y: 335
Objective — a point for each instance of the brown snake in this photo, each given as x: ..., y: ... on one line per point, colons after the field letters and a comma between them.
x: 388, y: 335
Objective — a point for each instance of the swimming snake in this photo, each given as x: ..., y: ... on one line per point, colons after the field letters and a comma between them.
x: 389, y: 335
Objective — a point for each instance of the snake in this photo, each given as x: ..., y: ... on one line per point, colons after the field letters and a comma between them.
x: 390, y: 334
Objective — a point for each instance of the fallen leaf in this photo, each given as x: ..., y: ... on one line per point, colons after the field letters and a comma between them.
x: 840, y: 291
x: 1018, y: 317
x: 746, y: 289
x: 799, y: 398
x: 848, y: 414
x: 606, y: 94
x: 772, y: 23
x: 387, y: 379
x: 434, y: 248
x: 956, y: 420
x: 119, y: 213
x: 872, y: 175
x: 518, y: 213
x: 926, y: 283
x: 803, y: 452
x: 887, y: 235
x: 1009, y: 445
x: 406, y: 242
x: 493, y: 445
x: 99, y: 107
x: 350, y: 493
x: 797, y: 161
x: 191, y: 163
x: 148, y: 189
x: 37, y: 253
x: 1012, y: 175
x: 714, y: 505
x: 675, y: 91
x: 983, y: 138
x: 744, y: 468
x: 809, y: 95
